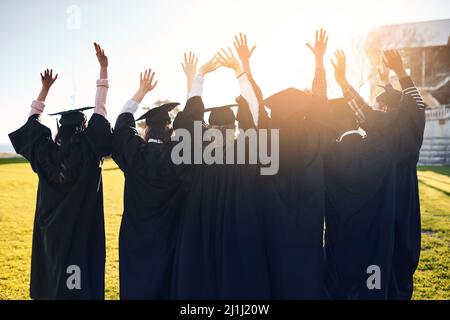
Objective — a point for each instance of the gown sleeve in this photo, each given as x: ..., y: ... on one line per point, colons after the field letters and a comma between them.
x: 320, y: 113
x: 248, y: 93
x: 126, y: 142
x: 397, y: 128
x: 415, y: 109
x: 318, y: 110
x: 244, y: 115
x: 368, y: 119
x: 403, y: 127
x: 263, y: 118
x: 34, y: 142
x: 409, y: 131
x: 193, y: 111
x: 99, y: 135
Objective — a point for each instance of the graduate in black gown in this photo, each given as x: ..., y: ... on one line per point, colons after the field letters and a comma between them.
x: 361, y: 182
x: 295, y: 207
x: 407, y: 219
x: 68, y: 253
x: 220, y: 252
x: 152, y: 198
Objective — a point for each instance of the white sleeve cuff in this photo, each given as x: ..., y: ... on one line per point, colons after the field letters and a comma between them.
x: 103, y: 83
x: 197, y: 87
x: 37, y: 107
x: 250, y: 96
x: 130, y: 106
x: 100, y: 97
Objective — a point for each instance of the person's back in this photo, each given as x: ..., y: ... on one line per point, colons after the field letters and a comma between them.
x: 359, y: 175
x: 152, y: 197
x: 407, y: 222
x: 294, y: 199
x: 364, y: 226
x: 68, y: 255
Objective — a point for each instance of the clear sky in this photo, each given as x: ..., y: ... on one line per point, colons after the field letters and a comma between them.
x: 138, y: 34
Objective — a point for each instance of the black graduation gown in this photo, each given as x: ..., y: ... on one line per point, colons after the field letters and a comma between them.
x: 361, y: 218
x: 152, y: 199
x: 292, y: 202
x: 69, y: 222
x: 220, y: 250
x: 294, y: 205
x: 407, y: 220
x: 360, y: 185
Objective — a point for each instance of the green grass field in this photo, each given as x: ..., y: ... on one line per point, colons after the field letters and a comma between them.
x: 17, y: 203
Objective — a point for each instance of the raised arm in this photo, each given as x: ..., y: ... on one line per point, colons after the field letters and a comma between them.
x: 244, y: 52
x: 126, y: 140
x: 383, y: 73
x: 102, y: 82
x: 190, y: 69
x: 47, y: 80
x: 356, y: 102
x: 319, y: 86
x: 196, y: 86
x: 393, y: 60
x: 146, y: 85
x: 412, y: 108
x: 34, y: 140
x: 228, y: 60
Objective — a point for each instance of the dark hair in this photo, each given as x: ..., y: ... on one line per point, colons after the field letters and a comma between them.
x: 158, y: 130
x: 68, y: 139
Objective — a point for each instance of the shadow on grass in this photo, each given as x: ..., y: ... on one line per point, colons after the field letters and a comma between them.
x: 433, y: 179
x: 445, y: 170
x: 22, y: 160
x: 12, y: 160
x: 433, y: 187
x: 111, y: 169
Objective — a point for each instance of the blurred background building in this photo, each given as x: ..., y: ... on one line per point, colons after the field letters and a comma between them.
x: 425, y: 47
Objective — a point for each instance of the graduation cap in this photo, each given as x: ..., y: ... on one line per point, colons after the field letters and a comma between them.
x: 73, y: 117
x: 221, y: 116
x: 288, y: 101
x: 159, y: 114
x: 389, y: 97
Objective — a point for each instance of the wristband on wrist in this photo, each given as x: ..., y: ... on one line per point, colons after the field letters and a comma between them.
x: 240, y: 75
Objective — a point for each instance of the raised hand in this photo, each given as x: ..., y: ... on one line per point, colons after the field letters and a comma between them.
x: 340, y: 68
x: 47, y: 81
x: 383, y: 72
x: 228, y: 60
x: 102, y: 58
x: 189, y: 68
x: 393, y: 60
x: 190, y: 65
x: 243, y: 51
x: 320, y: 46
x: 146, y: 85
x: 47, y: 78
x: 208, y: 67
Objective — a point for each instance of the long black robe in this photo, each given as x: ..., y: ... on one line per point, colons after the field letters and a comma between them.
x: 220, y: 250
x: 292, y: 202
x: 152, y: 210
x: 360, y: 185
x: 407, y: 218
x: 69, y: 223
x: 361, y: 182
x: 294, y: 208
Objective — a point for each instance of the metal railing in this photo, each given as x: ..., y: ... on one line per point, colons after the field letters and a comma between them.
x: 438, y: 113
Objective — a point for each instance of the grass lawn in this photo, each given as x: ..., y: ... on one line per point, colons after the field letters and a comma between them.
x: 17, y: 203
